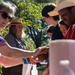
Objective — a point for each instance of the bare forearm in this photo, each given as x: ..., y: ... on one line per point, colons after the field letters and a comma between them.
x: 19, y: 53
x: 7, y: 62
x: 11, y: 52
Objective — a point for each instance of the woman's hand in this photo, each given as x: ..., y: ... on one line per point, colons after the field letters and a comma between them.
x: 42, y: 55
x: 41, y: 50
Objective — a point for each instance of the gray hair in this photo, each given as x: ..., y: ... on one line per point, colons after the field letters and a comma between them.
x: 8, y: 7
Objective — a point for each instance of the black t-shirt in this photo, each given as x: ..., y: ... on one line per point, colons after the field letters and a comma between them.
x: 57, y: 34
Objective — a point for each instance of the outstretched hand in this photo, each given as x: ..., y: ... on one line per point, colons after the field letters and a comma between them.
x: 45, y: 50
x: 41, y: 50
x: 42, y: 55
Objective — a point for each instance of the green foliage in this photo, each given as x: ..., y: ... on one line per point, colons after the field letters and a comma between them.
x: 29, y: 42
x: 1, y: 0
x: 31, y: 15
x: 4, y: 32
x: 30, y: 12
x: 0, y: 69
x: 42, y: 1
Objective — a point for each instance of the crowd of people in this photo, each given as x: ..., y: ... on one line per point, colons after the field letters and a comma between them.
x: 66, y: 10
x: 61, y: 19
x: 9, y: 53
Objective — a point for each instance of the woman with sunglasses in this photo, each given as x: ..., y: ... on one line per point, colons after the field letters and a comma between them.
x: 7, y: 11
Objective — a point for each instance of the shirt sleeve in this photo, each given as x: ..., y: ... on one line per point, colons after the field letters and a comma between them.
x: 2, y: 41
x: 10, y: 40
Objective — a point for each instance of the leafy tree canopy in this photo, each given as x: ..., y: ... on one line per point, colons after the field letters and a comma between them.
x: 35, y: 26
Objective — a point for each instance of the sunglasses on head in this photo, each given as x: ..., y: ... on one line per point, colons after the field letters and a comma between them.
x: 5, y: 15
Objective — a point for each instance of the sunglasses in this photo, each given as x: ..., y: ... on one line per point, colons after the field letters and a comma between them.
x: 5, y: 15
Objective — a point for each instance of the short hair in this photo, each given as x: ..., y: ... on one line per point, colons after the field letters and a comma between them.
x: 8, y: 7
x: 47, y: 9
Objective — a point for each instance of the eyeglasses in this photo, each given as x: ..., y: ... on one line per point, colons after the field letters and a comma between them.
x: 5, y: 15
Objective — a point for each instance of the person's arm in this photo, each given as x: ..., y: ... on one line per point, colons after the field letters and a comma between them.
x: 12, y: 52
x: 7, y: 62
x: 41, y: 56
x: 11, y: 40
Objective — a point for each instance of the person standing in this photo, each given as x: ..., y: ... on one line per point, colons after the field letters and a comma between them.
x: 14, y: 39
x: 52, y: 20
x: 7, y: 11
x: 66, y: 10
x: 67, y: 14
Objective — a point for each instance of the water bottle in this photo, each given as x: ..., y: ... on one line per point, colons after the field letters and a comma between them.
x: 34, y: 70
x: 65, y: 68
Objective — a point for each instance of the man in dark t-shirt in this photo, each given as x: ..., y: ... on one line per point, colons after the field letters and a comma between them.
x: 52, y: 20
x: 57, y: 34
